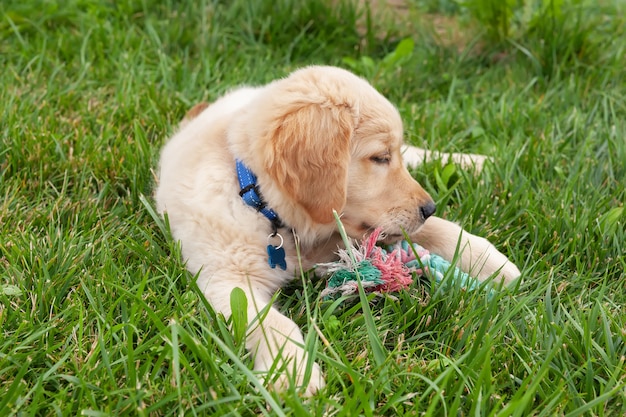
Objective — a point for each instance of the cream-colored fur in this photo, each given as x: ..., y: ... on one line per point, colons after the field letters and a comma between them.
x: 319, y: 140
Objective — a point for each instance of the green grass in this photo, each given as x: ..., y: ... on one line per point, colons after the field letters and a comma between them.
x: 99, y: 317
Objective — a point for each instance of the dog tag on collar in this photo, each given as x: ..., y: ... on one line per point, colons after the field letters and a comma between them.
x: 276, y: 254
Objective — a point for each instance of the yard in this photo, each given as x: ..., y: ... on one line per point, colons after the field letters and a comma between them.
x: 98, y: 315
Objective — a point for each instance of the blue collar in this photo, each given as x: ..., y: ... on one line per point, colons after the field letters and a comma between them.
x: 252, y: 196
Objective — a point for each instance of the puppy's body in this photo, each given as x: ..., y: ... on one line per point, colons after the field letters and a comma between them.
x: 320, y: 140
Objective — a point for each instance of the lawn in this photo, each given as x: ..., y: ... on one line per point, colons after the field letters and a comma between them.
x: 98, y: 315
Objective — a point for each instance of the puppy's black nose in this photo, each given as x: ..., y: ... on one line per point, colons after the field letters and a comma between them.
x: 428, y: 210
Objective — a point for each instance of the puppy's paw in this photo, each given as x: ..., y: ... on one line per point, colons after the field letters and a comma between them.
x: 470, y: 161
x: 309, y: 386
x: 509, y: 272
x: 316, y: 382
x: 277, y: 345
x: 494, y: 263
x: 414, y: 157
x: 290, y: 372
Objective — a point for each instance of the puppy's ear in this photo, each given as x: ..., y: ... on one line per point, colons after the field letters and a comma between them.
x: 310, y: 153
x: 193, y: 113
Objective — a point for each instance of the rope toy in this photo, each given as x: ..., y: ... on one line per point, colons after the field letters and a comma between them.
x: 383, y: 270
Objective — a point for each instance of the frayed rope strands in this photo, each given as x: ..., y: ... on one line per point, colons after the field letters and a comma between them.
x: 385, y: 270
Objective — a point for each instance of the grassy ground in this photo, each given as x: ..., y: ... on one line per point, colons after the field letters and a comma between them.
x: 99, y: 317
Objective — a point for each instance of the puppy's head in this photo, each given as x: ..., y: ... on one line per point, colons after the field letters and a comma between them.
x: 329, y: 141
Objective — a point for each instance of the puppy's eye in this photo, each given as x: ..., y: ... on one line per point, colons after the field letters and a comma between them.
x: 381, y: 159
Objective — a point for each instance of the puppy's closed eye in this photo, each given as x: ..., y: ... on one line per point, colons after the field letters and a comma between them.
x: 381, y: 159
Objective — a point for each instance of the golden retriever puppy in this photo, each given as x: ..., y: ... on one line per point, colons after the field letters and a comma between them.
x: 258, y: 172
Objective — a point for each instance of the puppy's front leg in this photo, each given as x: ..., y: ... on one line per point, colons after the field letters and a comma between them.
x: 274, y: 340
x: 414, y: 156
x: 478, y: 257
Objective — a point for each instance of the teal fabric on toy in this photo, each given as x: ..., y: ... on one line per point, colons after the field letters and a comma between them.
x: 389, y: 269
x: 438, y: 267
x: 367, y: 273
